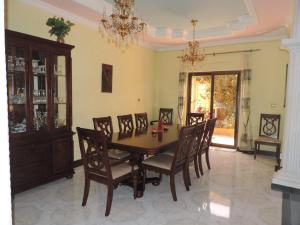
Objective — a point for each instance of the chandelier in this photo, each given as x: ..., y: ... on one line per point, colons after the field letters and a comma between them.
x: 193, y: 54
x: 122, y: 25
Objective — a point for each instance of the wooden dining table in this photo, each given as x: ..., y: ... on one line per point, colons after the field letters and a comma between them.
x: 146, y: 142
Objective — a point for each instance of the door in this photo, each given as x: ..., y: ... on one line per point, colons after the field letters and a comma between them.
x: 216, y: 95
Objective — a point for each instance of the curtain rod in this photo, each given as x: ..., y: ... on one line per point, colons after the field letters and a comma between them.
x: 232, y: 52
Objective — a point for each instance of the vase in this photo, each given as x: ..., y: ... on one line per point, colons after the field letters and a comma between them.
x: 60, y: 40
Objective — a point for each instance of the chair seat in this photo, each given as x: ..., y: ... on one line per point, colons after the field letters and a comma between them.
x: 162, y: 161
x: 267, y: 140
x: 121, y: 170
x: 169, y: 152
x: 117, y: 154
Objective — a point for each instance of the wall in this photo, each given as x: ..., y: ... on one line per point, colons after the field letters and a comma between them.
x: 147, y: 75
x: 133, y: 70
x: 5, y: 194
x: 268, y: 66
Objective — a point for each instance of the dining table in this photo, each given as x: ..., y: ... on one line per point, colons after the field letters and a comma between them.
x: 141, y: 143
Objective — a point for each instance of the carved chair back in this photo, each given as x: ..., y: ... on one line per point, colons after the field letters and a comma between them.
x: 141, y: 121
x: 207, y: 134
x: 125, y: 123
x: 166, y: 116
x: 194, y: 118
x: 183, y: 145
x: 93, y: 149
x: 104, y: 124
x: 269, y: 125
x: 197, y: 137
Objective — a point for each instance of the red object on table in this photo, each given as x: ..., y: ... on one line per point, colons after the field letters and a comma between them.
x: 160, y: 125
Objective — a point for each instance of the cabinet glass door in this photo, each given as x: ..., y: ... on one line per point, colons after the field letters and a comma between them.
x: 16, y: 88
x: 39, y: 90
x: 59, y: 91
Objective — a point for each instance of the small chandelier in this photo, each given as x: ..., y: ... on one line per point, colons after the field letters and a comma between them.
x: 193, y: 54
x: 122, y: 25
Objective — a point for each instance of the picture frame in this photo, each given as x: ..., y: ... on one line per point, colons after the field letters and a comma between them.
x: 107, y: 72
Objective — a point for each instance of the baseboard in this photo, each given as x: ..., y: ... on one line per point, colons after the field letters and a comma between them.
x: 260, y: 152
x: 77, y: 163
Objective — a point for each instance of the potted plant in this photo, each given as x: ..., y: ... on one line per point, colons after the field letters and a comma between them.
x: 59, y: 27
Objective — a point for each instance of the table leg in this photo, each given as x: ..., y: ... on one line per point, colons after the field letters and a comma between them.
x: 278, y: 167
x: 154, y: 180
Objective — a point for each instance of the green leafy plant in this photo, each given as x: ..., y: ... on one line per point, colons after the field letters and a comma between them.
x: 59, y: 27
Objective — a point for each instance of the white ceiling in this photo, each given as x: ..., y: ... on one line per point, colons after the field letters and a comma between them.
x: 176, y: 14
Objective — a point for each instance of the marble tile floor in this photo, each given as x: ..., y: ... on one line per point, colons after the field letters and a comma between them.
x: 236, y: 191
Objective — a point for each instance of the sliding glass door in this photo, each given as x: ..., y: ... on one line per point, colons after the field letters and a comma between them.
x: 216, y: 95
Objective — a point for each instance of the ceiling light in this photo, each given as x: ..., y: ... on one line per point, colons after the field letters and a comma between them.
x: 193, y: 54
x: 122, y: 25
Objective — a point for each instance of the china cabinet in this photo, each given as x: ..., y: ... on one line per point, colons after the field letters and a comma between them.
x: 39, y: 109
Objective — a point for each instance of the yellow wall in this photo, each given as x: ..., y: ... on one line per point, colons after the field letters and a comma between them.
x: 268, y: 80
x: 147, y: 75
x: 133, y: 71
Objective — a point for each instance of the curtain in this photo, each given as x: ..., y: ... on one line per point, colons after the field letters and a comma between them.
x: 182, y: 101
x: 246, y: 137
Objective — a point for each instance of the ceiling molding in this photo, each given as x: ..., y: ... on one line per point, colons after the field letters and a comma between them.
x: 61, y: 12
x: 276, y: 35
x: 175, y: 34
x: 236, y: 25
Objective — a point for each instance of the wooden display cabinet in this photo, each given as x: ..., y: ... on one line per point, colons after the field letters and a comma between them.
x: 39, y: 88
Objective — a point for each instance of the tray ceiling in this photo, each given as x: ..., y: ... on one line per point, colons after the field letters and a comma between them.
x: 169, y: 20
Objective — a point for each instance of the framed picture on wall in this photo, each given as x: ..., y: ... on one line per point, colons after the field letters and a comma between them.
x: 106, y: 85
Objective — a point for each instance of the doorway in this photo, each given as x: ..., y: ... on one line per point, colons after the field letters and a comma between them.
x: 216, y: 94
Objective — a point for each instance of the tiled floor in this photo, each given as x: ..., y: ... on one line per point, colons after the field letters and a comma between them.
x: 236, y: 191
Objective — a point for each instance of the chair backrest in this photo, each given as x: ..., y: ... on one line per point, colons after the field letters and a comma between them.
x: 166, y: 116
x: 141, y: 121
x: 125, y: 123
x: 208, y: 133
x: 269, y: 125
x: 93, y: 149
x: 197, y: 137
x: 194, y: 118
x: 104, y: 124
x: 183, y: 145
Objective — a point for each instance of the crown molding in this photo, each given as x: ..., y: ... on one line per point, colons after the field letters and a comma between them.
x: 60, y: 12
x: 175, y: 34
x: 261, y: 38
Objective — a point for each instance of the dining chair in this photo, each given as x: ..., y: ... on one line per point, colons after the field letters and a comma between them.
x: 170, y: 165
x: 165, y: 115
x: 206, y: 142
x: 194, y: 118
x: 104, y: 124
x: 125, y: 123
x: 269, y: 129
x: 195, y: 148
x: 97, y: 166
x: 141, y: 121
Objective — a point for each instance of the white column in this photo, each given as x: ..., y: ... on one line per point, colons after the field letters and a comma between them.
x: 5, y: 193
x: 289, y: 175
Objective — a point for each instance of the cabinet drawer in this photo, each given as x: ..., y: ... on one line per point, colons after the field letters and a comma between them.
x: 30, y: 154
x: 32, y: 175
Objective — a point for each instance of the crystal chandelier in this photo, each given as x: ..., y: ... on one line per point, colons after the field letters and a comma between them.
x: 122, y: 25
x: 193, y: 54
